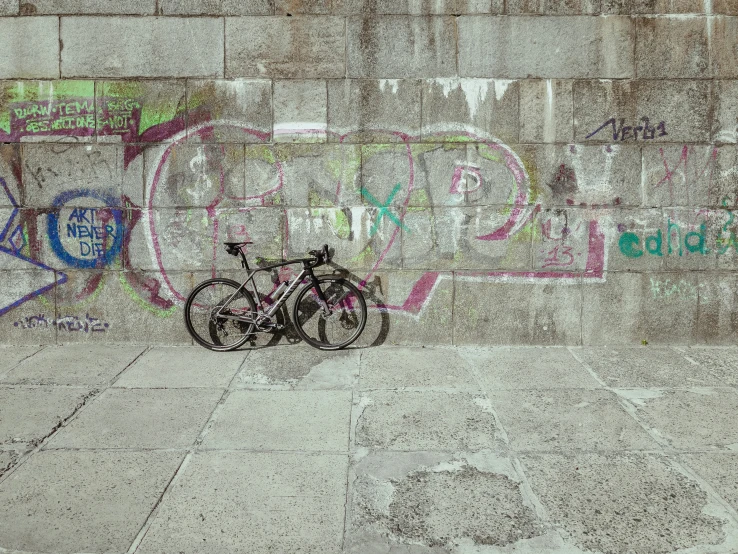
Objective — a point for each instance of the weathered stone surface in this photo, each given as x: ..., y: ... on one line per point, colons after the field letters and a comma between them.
x: 562, y: 47
x: 383, y: 7
x: 723, y: 38
x: 718, y: 361
x: 89, y: 7
x: 546, y: 111
x: 241, y: 110
x: 717, y: 323
x: 725, y: 118
x: 630, y: 310
x: 216, y: 7
x: 553, y: 7
x: 724, y: 6
x: 470, y: 106
x: 566, y: 420
x: 83, y: 365
x: 601, y: 501
x: 678, y: 175
x: 26, y: 323
x: 156, y: 52
x: 380, y: 111
x: 140, y: 418
x: 302, y: 493
x: 640, y: 367
x: 299, y: 47
x: 597, y: 102
x: 24, y: 59
x: 524, y: 313
x: 300, y: 111
x: 718, y: 469
x: 30, y: 414
x: 11, y: 356
x: 672, y: 47
x: 684, y: 106
x: 400, y: 47
x: 439, y: 421
x: 8, y: 7
x: 315, y: 420
x: 695, y: 419
x: 89, y: 507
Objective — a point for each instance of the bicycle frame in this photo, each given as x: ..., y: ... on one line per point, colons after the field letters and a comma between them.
x: 306, y: 273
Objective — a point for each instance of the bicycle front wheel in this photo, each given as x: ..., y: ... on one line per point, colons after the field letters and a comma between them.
x: 344, y: 322
x: 209, y: 310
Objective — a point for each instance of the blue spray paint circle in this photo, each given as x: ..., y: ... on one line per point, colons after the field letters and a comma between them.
x: 84, y: 226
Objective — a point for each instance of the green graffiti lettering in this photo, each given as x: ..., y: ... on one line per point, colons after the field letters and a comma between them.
x: 627, y: 243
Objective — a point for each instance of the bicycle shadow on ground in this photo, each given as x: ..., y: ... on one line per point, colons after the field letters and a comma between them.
x: 375, y: 332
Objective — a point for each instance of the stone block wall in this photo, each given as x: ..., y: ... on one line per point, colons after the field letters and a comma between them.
x: 490, y: 171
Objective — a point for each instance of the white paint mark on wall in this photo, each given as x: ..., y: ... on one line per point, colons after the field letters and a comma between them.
x: 393, y: 83
x: 549, y: 124
x: 475, y: 91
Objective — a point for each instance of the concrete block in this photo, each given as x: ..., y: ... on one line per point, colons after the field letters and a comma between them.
x: 666, y: 6
x: 679, y: 175
x: 485, y: 105
x: 683, y: 105
x: 566, y: 420
x: 239, y: 110
x: 516, y: 313
x: 553, y: 7
x: 89, y: 7
x: 415, y: 368
x: 726, y: 7
x: 320, y: 175
x: 30, y: 414
x: 639, y: 367
x: 562, y: 240
x: 156, y: 53
x: 480, y: 6
x: 265, y: 183
x: 584, y: 175
x: 140, y: 111
x: 672, y: 47
x: 718, y: 303
x: 26, y: 323
x: 628, y: 230
x: 300, y: 111
x: 546, y: 111
x: 723, y: 37
x: 447, y: 238
x: 561, y: 47
x: 318, y: 7
x: 631, y: 506
x: 301, y: 492
x: 165, y: 367
x: 450, y: 421
x: 433, y: 501
x: 725, y: 118
x: 596, y: 103
x: 140, y: 418
x: 299, y: 368
x: 74, y: 175
x: 629, y: 309
x: 216, y: 7
x: 282, y: 47
x: 512, y: 368
x: 198, y: 175
x: 34, y: 59
x: 8, y: 7
x: 697, y: 419
x: 88, y: 496
x: 373, y: 110
x: 11, y: 193
x: 400, y: 47
x: 83, y: 365
x: 719, y: 470
x: 408, y: 307
x: 349, y: 232
x: 315, y: 420
x: 47, y: 111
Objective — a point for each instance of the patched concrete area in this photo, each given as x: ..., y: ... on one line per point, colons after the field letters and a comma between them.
x: 627, y: 503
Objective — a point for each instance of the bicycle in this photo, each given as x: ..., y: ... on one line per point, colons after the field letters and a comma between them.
x: 329, y: 311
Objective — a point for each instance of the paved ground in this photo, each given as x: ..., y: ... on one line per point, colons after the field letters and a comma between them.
x: 401, y: 450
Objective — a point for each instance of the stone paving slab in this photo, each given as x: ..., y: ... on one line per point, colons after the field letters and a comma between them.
x: 169, y: 368
x: 123, y: 418
x: 282, y: 420
x: 642, y: 367
x: 10, y: 356
x: 568, y: 420
x: 28, y: 414
x: 415, y: 367
x: 76, y: 365
x: 505, y: 368
x: 82, y: 501
x: 720, y: 470
x: 627, y: 503
x: 253, y: 502
x: 721, y: 362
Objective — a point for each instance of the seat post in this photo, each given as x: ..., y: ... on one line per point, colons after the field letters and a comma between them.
x: 244, y: 263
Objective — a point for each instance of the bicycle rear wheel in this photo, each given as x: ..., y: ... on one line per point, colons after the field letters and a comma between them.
x: 347, y: 315
x: 211, y: 331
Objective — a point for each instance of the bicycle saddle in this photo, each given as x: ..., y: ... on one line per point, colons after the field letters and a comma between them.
x: 233, y: 247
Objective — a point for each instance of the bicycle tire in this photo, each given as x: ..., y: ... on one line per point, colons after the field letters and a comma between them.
x: 206, y: 330
x: 348, y: 315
